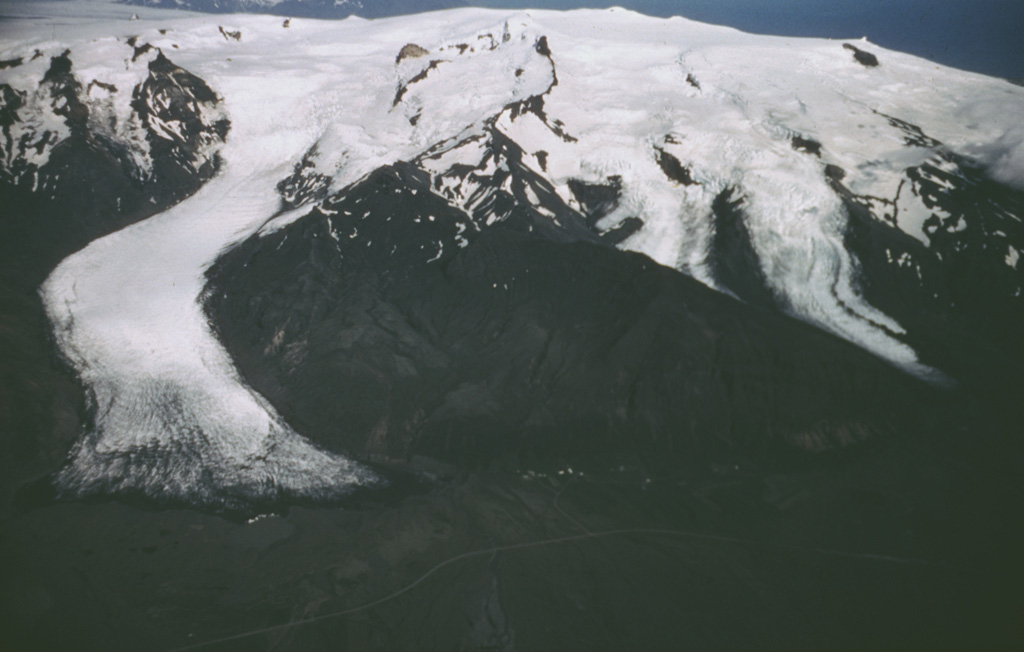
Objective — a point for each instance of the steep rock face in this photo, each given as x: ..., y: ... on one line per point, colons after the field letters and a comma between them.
x: 392, y: 325
x: 942, y: 255
x: 734, y: 262
x: 488, y: 177
x: 183, y: 124
x: 80, y: 160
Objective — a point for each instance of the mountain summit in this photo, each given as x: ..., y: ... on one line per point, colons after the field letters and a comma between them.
x: 578, y: 233
x: 485, y: 329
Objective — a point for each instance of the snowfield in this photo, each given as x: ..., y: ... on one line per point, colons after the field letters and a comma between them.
x: 172, y: 416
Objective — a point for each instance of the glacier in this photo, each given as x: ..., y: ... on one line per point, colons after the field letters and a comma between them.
x: 170, y: 415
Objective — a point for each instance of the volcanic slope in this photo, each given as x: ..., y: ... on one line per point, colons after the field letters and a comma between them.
x: 462, y: 308
x: 745, y: 162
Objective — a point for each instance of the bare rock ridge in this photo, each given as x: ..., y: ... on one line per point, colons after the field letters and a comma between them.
x: 865, y: 59
x: 433, y: 337
x: 410, y: 51
x: 87, y: 170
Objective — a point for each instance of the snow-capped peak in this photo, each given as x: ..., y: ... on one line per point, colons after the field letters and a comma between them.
x: 748, y: 162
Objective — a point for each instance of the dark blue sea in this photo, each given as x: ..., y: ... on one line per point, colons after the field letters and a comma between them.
x: 985, y: 36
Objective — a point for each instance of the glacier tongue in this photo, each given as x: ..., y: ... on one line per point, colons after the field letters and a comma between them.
x: 171, y: 418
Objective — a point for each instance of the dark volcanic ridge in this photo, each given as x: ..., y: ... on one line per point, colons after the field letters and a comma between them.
x: 390, y: 325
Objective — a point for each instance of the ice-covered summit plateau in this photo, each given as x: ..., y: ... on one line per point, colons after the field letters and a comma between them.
x: 857, y: 189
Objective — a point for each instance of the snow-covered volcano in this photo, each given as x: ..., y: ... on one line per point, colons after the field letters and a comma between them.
x: 304, y: 8
x: 859, y: 190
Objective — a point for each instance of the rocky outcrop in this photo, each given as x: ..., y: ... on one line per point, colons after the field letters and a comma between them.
x: 865, y: 59
x: 393, y: 325
x: 942, y: 257
x: 410, y: 51
x: 72, y: 167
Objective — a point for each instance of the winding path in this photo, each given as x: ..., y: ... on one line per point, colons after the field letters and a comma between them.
x: 586, y: 535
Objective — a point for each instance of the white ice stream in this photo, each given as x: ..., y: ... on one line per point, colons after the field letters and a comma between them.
x: 173, y: 419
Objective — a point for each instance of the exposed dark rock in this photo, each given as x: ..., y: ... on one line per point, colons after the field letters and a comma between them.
x: 597, y: 199
x: 913, y: 135
x: 418, y: 77
x: 60, y: 67
x: 834, y: 172
x: 66, y: 91
x: 865, y: 59
x: 110, y: 88
x: 173, y: 95
x: 723, y: 502
x: 11, y: 99
x: 808, y: 145
x: 411, y: 51
x: 542, y: 47
x: 734, y: 262
x: 141, y: 50
x: 672, y: 168
x: 90, y: 184
x: 957, y: 296
x: 305, y: 184
x: 621, y: 231
x: 535, y: 103
x: 516, y: 351
x: 230, y: 34
x: 512, y: 192
x: 542, y: 160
